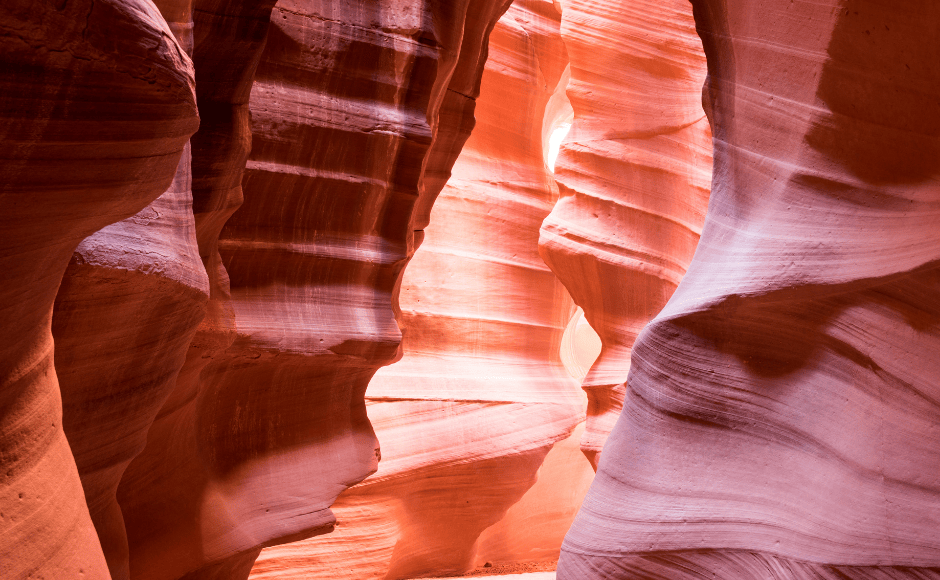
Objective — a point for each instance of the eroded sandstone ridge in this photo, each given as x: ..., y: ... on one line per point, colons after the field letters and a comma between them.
x: 783, y: 409
x: 96, y: 105
x: 467, y: 417
x: 633, y: 175
x: 359, y: 113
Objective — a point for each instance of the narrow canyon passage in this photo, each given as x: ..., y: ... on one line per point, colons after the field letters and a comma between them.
x: 307, y: 289
x: 481, y: 395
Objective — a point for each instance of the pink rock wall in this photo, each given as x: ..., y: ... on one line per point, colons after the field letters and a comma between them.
x: 79, y: 83
x: 163, y: 493
x: 267, y: 424
x: 241, y: 451
x: 480, y: 395
x: 633, y: 174
x: 782, y: 409
x: 124, y: 317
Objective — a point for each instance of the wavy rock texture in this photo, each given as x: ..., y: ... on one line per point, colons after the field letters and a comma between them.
x: 352, y: 121
x: 79, y: 82
x: 124, y: 317
x: 782, y: 413
x: 467, y: 416
x: 165, y: 531
x: 633, y: 175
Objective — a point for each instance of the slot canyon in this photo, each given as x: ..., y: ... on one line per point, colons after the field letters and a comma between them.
x: 521, y: 289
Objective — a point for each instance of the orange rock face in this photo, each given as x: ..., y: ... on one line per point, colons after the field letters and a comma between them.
x: 782, y: 410
x: 190, y: 320
x: 241, y: 450
x: 115, y: 376
x: 480, y: 396
x: 633, y: 175
x: 79, y: 83
x: 266, y: 424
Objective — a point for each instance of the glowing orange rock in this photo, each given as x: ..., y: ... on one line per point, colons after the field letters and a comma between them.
x: 633, y: 174
x: 467, y: 417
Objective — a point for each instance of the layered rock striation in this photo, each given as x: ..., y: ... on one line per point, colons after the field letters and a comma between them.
x: 212, y: 389
x: 97, y: 103
x: 124, y: 317
x: 467, y: 417
x: 163, y: 492
x: 633, y: 176
x: 351, y: 125
x: 782, y: 410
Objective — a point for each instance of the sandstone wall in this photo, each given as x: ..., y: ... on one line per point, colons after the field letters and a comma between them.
x: 782, y: 409
x: 161, y: 337
x: 97, y: 102
x: 352, y: 123
x: 467, y: 416
x: 633, y: 175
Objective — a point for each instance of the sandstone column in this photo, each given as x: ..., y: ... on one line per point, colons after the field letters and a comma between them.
x: 80, y: 82
x: 783, y: 409
x: 633, y: 175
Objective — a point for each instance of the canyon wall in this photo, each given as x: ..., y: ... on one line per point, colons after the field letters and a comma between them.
x: 97, y: 103
x: 633, y: 176
x: 124, y: 316
x: 353, y: 122
x: 467, y: 417
x: 782, y: 411
x: 266, y: 428
x: 190, y: 475
x: 191, y: 324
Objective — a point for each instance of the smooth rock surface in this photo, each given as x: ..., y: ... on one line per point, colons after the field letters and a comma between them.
x: 467, y: 417
x: 162, y: 493
x: 124, y: 317
x: 633, y: 175
x: 352, y: 124
x: 80, y: 82
x: 782, y: 413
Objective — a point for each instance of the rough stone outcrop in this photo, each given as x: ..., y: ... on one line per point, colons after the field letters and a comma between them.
x: 79, y: 83
x: 782, y: 413
x: 633, y: 175
x: 467, y: 416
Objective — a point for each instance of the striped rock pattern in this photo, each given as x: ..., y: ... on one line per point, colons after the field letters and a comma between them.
x: 468, y: 415
x: 357, y: 111
x: 782, y: 411
x: 124, y: 317
x: 633, y: 174
x: 80, y: 82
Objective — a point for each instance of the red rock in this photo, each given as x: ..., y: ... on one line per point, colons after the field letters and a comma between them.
x: 267, y: 424
x: 124, y: 318
x: 163, y: 492
x: 480, y: 396
x: 79, y: 83
x: 781, y: 417
x: 633, y: 174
